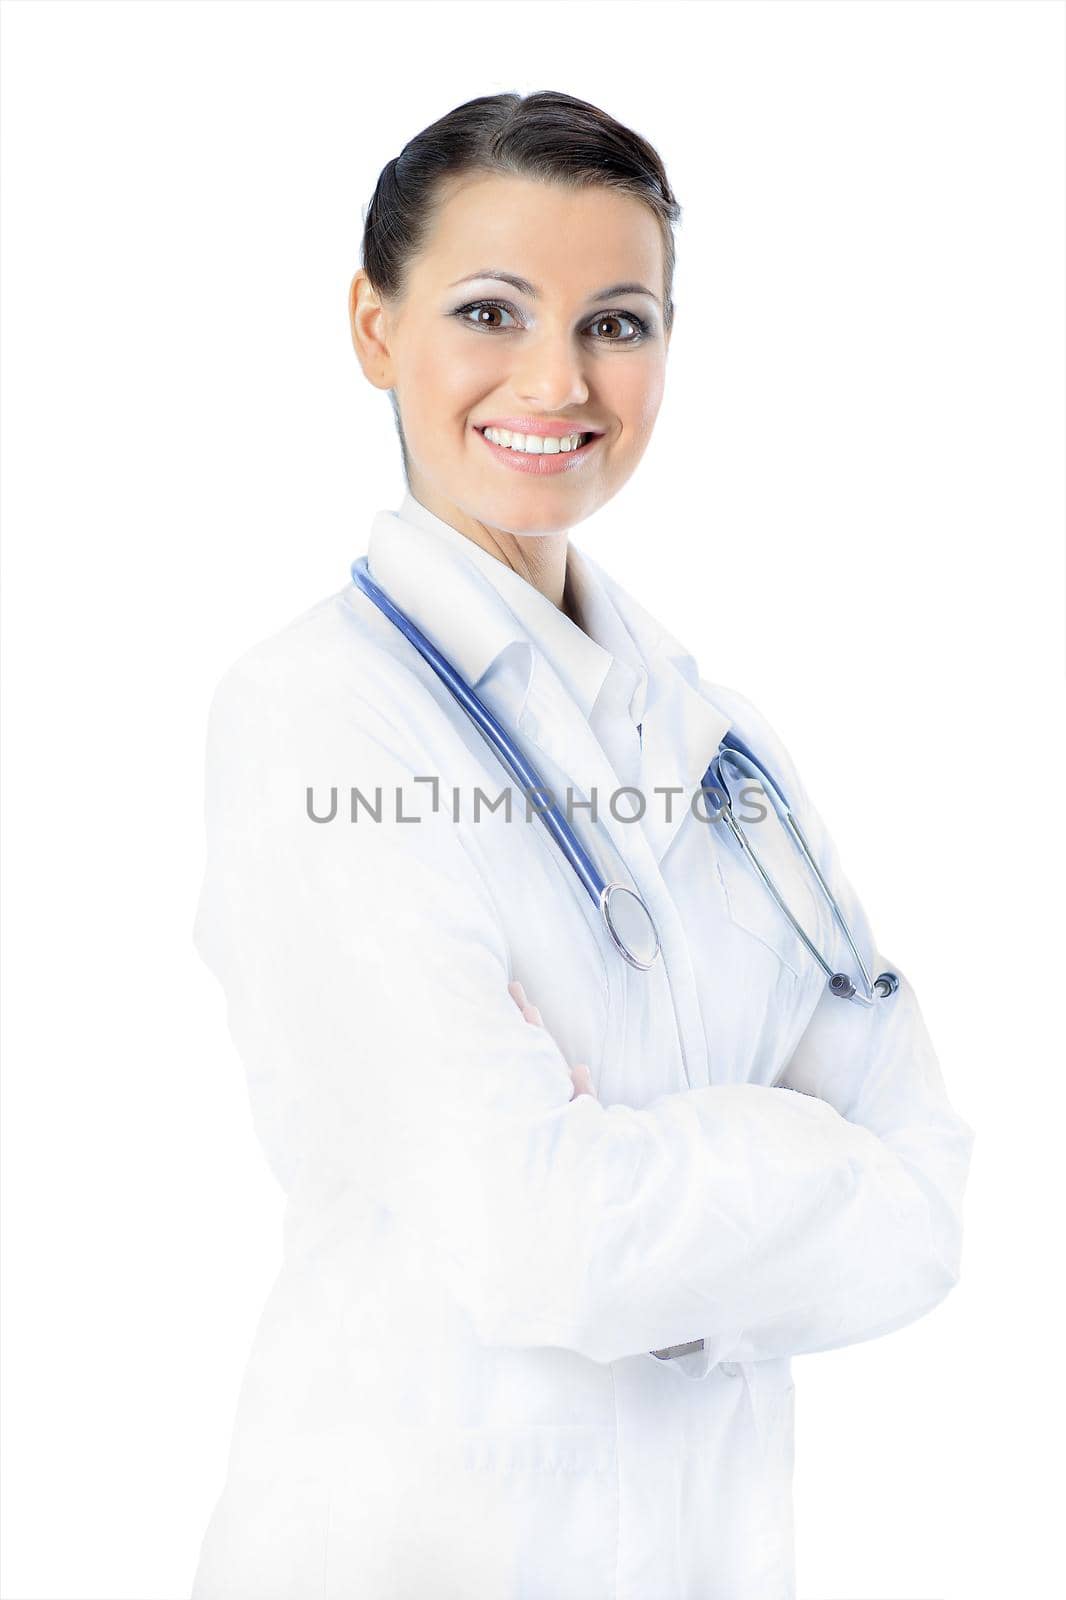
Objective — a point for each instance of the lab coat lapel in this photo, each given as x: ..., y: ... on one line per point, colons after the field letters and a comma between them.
x: 681, y: 731
x: 448, y: 599
x: 552, y: 724
x: 681, y: 726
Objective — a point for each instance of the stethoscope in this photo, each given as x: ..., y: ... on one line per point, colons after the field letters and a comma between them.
x: 625, y: 915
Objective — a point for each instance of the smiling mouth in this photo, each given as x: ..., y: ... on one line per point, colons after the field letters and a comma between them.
x: 539, y: 454
x: 535, y: 444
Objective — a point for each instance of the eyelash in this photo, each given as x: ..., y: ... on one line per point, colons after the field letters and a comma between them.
x: 643, y: 328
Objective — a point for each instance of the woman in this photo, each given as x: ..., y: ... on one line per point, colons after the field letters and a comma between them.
x: 555, y: 1223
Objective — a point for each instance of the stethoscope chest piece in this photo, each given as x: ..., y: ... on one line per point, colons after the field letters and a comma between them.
x: 630, y: 925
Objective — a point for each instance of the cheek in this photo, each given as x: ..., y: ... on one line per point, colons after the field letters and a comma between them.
x: 450, y: 381
x: 635, y: 396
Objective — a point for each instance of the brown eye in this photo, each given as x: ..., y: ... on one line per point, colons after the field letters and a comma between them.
x: 602, y: 328
x: 484, y: 314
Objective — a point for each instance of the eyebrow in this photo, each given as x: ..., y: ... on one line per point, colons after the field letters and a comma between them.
x: 524, y: 286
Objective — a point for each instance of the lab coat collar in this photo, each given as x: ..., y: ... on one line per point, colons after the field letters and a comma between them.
x: 435, y: 575
x: 533, y: 621
x: 425, y: 569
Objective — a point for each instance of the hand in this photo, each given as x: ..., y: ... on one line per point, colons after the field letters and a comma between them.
x: 579, y: 1075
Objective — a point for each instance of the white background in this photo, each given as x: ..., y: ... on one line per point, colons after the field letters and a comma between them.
x: 852, y: 510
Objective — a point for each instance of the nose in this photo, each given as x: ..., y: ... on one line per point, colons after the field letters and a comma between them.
x: 550, y: 374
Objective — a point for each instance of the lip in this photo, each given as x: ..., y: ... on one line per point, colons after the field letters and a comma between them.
x: 541, y: 466
x: 538, y: 425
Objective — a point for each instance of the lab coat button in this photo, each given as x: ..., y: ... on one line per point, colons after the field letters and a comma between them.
x: 729, y: 1368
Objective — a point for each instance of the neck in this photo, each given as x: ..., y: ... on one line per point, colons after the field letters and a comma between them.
x: 539, y: 558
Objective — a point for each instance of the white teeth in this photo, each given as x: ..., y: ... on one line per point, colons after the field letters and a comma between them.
x: 533, y: 444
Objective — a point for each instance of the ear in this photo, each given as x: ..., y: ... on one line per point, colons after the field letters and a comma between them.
x: 368, y: 319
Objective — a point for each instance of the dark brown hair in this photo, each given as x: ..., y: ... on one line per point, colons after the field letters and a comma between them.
x: 546, y: 135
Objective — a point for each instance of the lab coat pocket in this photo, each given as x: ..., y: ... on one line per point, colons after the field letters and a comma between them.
x: 750, y: 904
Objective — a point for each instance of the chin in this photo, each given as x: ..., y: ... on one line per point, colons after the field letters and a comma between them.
x: 531, y: 530
x: 528, y: 524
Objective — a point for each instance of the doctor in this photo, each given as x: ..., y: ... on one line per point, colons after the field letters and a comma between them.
x: 555, y: 1224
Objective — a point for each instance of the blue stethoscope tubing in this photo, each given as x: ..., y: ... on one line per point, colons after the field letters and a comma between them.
x: 617, y: 902
x: 736, y: 752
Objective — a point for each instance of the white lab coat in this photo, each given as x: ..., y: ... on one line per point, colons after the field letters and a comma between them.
x: 451, y: 1394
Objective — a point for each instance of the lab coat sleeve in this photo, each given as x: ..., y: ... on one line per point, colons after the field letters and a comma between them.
x: 366, y: 974
x: 877, y: 1069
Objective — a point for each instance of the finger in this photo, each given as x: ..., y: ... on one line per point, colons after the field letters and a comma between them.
x: 582, y: 1079
x: 529, y: 1011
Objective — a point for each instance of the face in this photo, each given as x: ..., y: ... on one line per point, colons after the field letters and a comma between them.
x: 536, y: 310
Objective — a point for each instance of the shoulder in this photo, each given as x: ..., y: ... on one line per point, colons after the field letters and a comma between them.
x: 745, y: 717
x: 335, y: 673
x: 300, y: 720
x: 760, y: 734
